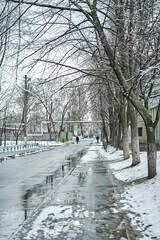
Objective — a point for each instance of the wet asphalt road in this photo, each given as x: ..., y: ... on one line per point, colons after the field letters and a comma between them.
x: 83, y: 207
x: 26, y: 181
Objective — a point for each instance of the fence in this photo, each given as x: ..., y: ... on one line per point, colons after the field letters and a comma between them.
x: 17, y: 147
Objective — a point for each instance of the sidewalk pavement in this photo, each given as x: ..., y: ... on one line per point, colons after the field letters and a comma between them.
x: 84, y: 205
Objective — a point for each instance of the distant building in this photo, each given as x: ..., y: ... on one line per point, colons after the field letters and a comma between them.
x: 142, y: 129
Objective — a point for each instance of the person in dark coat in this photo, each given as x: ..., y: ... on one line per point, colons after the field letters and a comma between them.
x: 77, y: 139
x: 97, y: 139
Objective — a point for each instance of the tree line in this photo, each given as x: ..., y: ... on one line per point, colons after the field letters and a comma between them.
x: 105, y: 51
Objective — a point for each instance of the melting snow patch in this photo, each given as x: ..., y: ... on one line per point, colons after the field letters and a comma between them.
x: 91, y: 155
x: 49, y: 218
x: 77, y: 223
x: 86, y: 213
x: 114, y: 210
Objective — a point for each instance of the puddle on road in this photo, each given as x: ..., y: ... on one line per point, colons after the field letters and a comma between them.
x: 34, y: 196
x: 22, y: 206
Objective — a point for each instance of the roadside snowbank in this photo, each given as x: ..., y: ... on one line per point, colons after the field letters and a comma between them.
x: 141, y: 200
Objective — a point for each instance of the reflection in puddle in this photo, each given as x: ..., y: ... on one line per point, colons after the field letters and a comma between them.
x: 35, y: 195
x: 49, y: 179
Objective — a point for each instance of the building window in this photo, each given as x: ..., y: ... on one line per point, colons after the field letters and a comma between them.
x: 140, y: 132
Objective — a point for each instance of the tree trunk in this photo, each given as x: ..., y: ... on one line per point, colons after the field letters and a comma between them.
x: 134, y: 136
x: 111, y: 125
x: 125, y: 142
x: 49, y: 130
x: 135, y: 146
x: 151, y: 150
x: 103, y: 119
x: 5, y: 138
x: 118, y: 144
x: 17, y: 139
x: 104, y: 130
x: 125, y: 131
x: 81, y: 125
x: 1, y: 133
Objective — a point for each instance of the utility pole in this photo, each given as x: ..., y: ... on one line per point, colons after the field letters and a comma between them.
x: 25, y: 108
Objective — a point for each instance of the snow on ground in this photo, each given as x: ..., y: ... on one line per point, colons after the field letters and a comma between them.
x: 49, y: 216
x: 41, y: 143
x: 140, y: 200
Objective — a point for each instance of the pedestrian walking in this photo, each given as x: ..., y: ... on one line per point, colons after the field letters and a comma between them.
x: 77, y: 139
x: 97, y: 138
